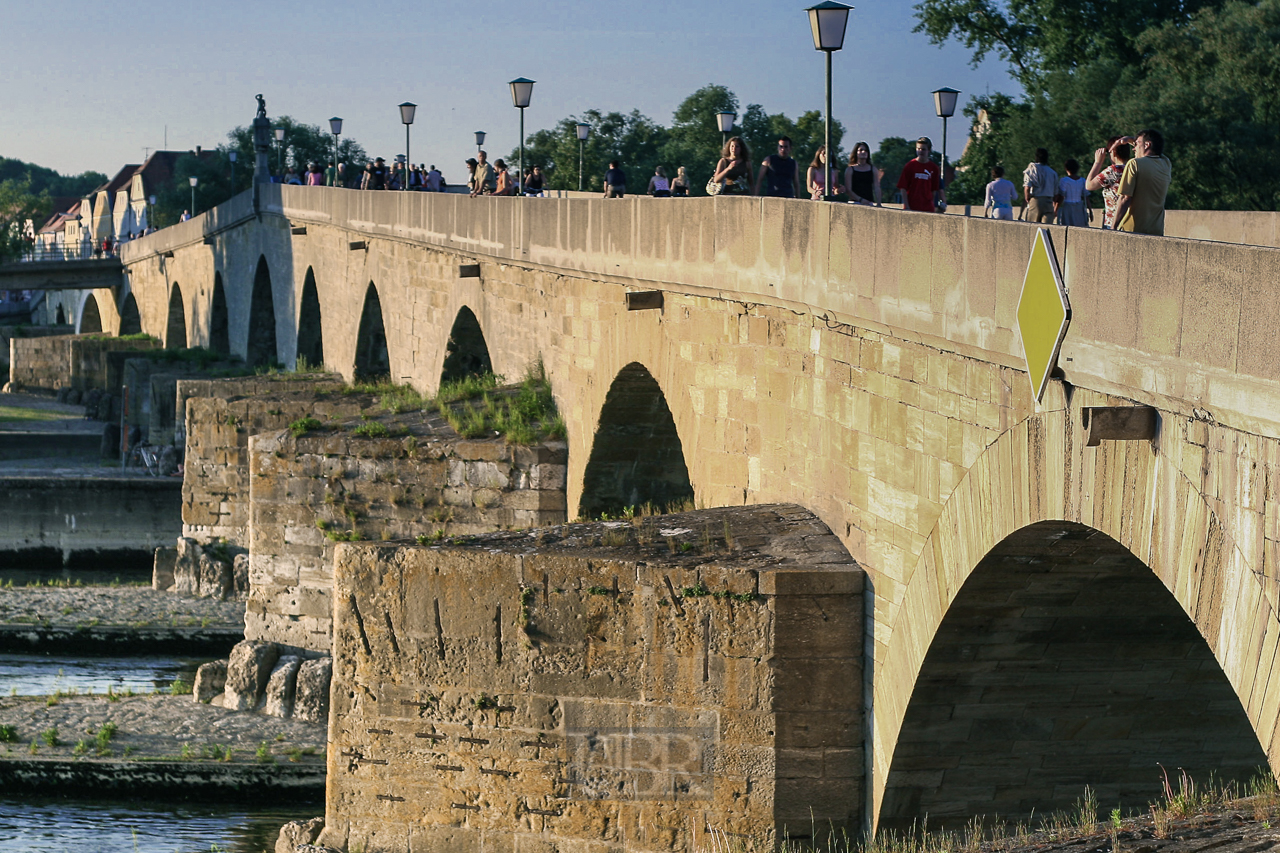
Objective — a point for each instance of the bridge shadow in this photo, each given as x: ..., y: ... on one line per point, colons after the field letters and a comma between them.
x: 636, y: 457
x: 466, y: 353
x: 373, y: 361
x: 90, y: 316
x: 176, y: 329
x: 1063, y: 662
x: 310, y: 325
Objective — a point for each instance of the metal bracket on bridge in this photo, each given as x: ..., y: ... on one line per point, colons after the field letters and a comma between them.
x: 354, y: 245
x: 468, y: 270
x: 644, y: 300
x: 1118, y: 423
x: 298, y: 230
x: 168, y: 254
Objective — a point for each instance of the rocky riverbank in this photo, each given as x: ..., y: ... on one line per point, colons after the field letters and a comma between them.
x: 116, y: 620
x: 155, y: 744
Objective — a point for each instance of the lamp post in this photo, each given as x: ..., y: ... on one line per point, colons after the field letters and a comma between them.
x: 335, y: 127
x: 828, y: 20
x: 280, y: 152
x: 944, y: 103
x: 406, y: 117
x: 151, y: 213
x: 724, y: 121
x: 584, y: 130
x: 231, y: 155
x: 479, y: 140
x: 194, y: 180
x: 521, y: 92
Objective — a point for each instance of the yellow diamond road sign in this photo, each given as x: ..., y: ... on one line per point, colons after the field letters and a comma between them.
x: 1044, y: 312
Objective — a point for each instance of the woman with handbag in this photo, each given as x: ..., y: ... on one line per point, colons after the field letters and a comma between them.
x: 733, y: 170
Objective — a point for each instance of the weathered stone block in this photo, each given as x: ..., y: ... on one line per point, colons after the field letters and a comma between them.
x: 211, y: 681
x: 162, y: 569
x: 298, y: 832
x: 277, y: 700
x: 248, y: 671
x: 311, y: 699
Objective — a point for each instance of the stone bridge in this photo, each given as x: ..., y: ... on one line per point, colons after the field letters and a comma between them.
x: 1041, y: 613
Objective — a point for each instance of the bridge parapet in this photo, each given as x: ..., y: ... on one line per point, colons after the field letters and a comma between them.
x: 1144, y: 309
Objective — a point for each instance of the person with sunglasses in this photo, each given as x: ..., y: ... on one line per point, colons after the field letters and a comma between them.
x: 779, y: 173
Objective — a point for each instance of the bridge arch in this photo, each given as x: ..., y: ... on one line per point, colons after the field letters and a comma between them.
x: 636, y: 455
x: 90, y: 318
x: 261, y: 347
x: 1033, y: 499
x: 466, y: 353
x: 130, y: 318
x: 372, y: 358
x: 310, y: 327
x: 175, y: 336
x: 219, y: 319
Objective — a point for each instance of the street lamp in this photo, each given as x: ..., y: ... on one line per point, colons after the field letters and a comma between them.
x: 944, y: 103
x: 521, y: 92
x: 406, y: 117
x: 231, y: 155
x: 584, y: 130
x: 828, y: 20
x: 335, y: 127
x: 194, y: 180
x: 724, y: 120
x: 280, y: 152
x: 479, y: 139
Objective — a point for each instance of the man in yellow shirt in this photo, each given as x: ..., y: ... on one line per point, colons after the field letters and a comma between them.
x: 1143, y: 186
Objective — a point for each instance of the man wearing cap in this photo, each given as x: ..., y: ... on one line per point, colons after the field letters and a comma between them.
x: 921, y: 181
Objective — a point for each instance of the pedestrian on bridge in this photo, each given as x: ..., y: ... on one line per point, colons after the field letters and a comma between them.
x: 921, y: 181
x: 615, y: 181
x: 1144, y: 185
x: 1040, y: 188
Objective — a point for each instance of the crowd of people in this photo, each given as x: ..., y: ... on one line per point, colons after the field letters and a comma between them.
x: 1131, y: 172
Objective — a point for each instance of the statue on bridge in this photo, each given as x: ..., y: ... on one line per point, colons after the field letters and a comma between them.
x: 262, y: 107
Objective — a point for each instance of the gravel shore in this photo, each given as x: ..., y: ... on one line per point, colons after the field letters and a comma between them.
x: 122, y: 606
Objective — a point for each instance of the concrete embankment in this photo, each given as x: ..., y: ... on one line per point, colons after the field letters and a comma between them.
x: 119, y: 641
x: 165, y: 780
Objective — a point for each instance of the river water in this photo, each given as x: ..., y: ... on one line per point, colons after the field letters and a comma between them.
x: 42, y: 825
x: 36, y: 675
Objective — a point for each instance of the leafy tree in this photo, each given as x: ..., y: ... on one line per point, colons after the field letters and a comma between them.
x: 42, y: 180
x: 213, y: 187
x: 1038, y: 36
x: 18, y: 206
x: 303, y: 144
x: 635, y: 140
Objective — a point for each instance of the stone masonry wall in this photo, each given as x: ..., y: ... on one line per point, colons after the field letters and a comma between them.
x: 8, y: 333
x: 40, y: 363
x: 220, y: 416
x: 601, y: 687
x: 426, y: 483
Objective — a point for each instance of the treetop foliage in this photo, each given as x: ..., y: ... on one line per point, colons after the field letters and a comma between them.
x: 692, y: 140
x: 1206, y: 73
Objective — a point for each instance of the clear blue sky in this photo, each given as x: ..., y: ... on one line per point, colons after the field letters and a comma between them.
x: 90, y: 86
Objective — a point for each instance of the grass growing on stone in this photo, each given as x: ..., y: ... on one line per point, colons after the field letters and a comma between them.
x: 476, y: 408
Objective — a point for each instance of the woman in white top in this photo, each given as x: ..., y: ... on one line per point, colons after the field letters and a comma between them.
x: 659, y: 186
x: 1001, y: 194
x: 1071, y: 190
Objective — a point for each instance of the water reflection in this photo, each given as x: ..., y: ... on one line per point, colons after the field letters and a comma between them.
x: 36, y: 825
x: 36, y: 675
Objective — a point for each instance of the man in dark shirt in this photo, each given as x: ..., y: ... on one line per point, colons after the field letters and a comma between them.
x: 615, y: 182
x: 779, y: 173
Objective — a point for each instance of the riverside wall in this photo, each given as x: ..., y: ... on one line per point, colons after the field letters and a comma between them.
x: 309, y: 492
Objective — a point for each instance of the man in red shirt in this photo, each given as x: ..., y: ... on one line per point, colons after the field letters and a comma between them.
x: 921, y: 181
